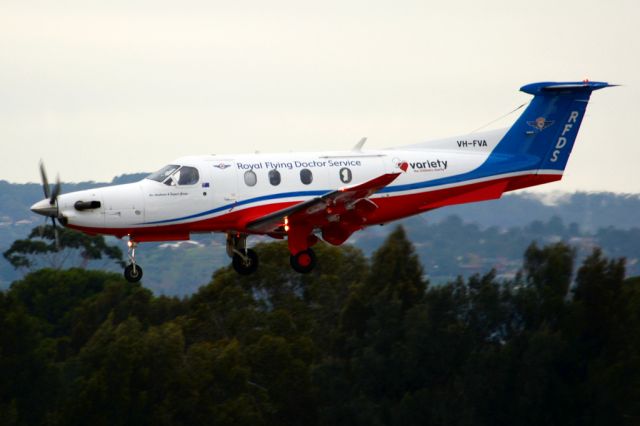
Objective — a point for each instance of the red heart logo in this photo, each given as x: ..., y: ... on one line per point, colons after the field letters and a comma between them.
x: 403, y: 166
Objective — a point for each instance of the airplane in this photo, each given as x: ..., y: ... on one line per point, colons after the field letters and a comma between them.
x: 304, y: 197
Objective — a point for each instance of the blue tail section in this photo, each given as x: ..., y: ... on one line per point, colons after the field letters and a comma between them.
x: 543, y: 136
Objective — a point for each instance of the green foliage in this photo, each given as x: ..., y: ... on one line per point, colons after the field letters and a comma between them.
x: 396, y: 272
x: 351, y: 343
x: 61, y: 241
x: 446, y: 248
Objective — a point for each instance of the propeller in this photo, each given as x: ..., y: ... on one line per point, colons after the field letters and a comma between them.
x: 56, y: 191
x: 52, y: 195
x: 45, y: 181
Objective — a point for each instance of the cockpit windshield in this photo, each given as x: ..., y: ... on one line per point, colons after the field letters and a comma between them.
x: 173, y: 175
x: 163, y: 173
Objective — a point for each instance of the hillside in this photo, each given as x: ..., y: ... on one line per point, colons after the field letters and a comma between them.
x: 457, y: 240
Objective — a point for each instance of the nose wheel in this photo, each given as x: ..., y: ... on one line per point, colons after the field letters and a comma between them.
x: 243, y: 259
x: 133, y: 271
x: 245, y: 262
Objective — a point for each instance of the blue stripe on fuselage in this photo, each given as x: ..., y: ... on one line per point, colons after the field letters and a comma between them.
x: 240, y: 203
x: 494, y: 165
x: 523, y: 147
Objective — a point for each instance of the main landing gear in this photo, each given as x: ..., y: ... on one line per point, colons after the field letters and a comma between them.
x: 303, y: 261
x: 133, y: 271
x: 244, y: 260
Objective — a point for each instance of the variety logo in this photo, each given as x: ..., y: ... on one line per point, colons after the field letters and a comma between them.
x: 540, y: 123
x: 429, y: 165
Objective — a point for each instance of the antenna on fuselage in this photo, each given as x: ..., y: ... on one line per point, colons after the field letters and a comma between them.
x: 358, y: 147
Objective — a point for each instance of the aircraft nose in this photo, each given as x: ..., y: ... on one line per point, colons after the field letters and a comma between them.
x: 45, y: 208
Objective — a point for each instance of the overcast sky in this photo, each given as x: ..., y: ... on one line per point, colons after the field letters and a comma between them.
x: 98, y: 89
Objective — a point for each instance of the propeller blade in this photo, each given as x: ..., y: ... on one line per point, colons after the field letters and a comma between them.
x: 45, y: 181
x: 42, y: 228
x: 56, y: 191
x: 55, y: 233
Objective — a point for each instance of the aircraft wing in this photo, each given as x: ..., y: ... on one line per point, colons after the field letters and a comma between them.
x: 327, y: 208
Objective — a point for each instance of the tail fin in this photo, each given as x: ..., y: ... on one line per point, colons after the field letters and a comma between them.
x: 544, y: 134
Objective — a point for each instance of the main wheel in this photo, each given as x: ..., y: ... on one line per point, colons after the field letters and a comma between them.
x: 247, y: 264
x: 133, y: 273
x: 304, y: 261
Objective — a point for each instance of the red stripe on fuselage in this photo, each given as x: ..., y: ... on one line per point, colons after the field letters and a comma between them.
x: 390, y: 208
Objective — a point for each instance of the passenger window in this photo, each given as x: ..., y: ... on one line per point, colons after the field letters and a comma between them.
x: 250, y: 178
x: 345, y: 175
x: 306, y: 176
x: 274, y: 177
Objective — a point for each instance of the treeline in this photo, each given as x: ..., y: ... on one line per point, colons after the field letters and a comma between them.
x: 454, y: 247
x: 357, y: 342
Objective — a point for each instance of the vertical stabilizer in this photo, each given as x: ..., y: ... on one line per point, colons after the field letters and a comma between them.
x: 544, y: 135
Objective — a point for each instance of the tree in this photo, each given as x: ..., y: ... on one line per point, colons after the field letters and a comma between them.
x: 347, y: 344
x: 27, y: 373
x: 548, y: 272
x: 549, y: 269
x: 54, y: 247
x: 395, y: 283
x: 374, y: 337
x: 396, y: 270
x: 598, y: 292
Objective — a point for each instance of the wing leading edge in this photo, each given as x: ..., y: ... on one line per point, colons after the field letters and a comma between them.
x: 337, y: 213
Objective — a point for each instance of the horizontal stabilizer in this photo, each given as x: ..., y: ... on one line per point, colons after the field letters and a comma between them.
x: 573, y: 86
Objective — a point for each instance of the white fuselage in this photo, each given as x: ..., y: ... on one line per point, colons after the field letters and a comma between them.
x: 229, y: 188
x: 306, y: 196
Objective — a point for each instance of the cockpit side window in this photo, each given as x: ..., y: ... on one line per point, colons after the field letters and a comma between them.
x: 173, y: 175
x: 188, y: 176
x: 163, y: 173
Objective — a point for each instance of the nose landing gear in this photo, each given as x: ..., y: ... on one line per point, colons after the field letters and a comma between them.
x: 243, y: 260
x: 133, y: 271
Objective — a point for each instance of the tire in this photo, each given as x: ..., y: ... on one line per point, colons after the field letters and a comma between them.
x: 245, y: 266
x: 304, y: 261
x: 131, y: 275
